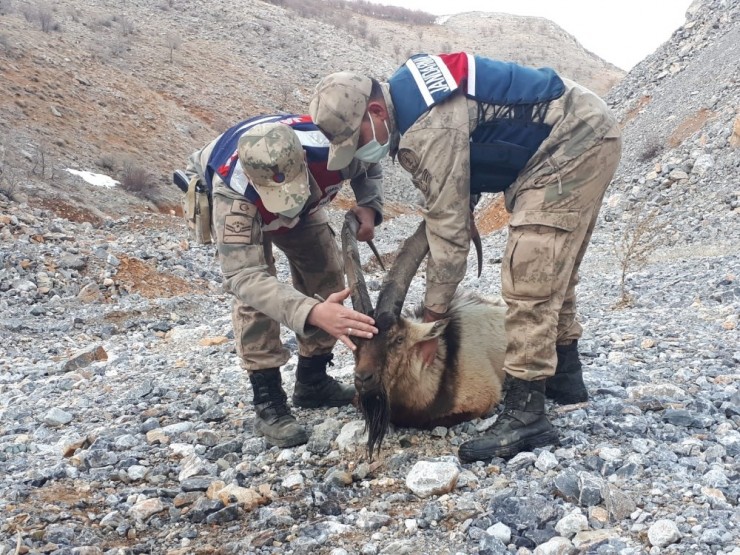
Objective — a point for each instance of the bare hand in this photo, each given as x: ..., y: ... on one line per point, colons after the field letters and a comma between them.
x: 340, y: 321
x: 366, y: 216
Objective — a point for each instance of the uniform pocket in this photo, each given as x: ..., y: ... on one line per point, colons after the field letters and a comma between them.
x: 536, y: 241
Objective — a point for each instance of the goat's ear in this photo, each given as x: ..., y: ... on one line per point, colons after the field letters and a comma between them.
x: 434, y: 329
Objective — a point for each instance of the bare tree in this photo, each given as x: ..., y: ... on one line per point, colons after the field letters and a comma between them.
x: 173, y: 42
x: 640, y: 238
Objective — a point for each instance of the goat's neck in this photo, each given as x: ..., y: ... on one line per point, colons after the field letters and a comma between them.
x: 419, y: 387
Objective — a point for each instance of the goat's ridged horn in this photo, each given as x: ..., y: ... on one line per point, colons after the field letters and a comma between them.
x: 397, y: 280
x: 475, y: 236
x: 356, y: 281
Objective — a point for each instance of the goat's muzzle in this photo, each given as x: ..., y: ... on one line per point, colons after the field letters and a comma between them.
x: 367, y: 383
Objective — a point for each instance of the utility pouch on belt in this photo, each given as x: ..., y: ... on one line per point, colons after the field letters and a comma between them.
x: 198, y: 211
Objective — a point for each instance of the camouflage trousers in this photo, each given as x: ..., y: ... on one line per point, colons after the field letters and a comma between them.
x: 552, y: 220
x: 315, y: 268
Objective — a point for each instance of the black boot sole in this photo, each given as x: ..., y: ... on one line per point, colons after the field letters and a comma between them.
x: 320, y: 403
x: 284, y: 442
x: 543, y: 439
x: 570, y: 398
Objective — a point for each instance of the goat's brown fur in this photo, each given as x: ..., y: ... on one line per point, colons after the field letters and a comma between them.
x: 464, y: 381
x: 394, y: 385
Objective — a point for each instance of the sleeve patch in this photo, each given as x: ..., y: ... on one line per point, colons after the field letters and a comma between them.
x: 409, y: 160
x: 238, y: 230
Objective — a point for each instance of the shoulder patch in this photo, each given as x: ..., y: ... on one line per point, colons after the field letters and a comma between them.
x: 409, y: 160
x: 243, y: 207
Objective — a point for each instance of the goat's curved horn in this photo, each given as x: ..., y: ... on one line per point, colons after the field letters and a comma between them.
x: 397, y: 280
x: 356, y: 281
x: 475, y: 237
x: 377, y: 254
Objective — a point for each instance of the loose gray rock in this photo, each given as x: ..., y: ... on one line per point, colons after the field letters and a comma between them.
x: 663, y: 532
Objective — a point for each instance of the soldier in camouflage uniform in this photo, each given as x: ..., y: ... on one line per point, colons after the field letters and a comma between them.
x: 269, y: 186
x: 463, y: 125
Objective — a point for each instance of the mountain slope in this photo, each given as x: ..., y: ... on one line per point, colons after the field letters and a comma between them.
x: 150, y: 82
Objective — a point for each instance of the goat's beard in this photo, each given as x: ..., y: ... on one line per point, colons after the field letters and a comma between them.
x: 376, y: 409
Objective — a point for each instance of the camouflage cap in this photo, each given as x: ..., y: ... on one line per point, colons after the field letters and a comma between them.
x: 338, y: 105
x: 272, y: 157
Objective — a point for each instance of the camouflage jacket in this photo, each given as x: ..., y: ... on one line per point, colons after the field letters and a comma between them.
x: 436, y: 151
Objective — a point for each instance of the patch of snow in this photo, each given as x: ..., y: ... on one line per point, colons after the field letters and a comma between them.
x: 98, y: 179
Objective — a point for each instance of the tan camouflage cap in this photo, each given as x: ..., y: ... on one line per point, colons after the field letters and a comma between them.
x: 338, y: 105
x: 272, y: 157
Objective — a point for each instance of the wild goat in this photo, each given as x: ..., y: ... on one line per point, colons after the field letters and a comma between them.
x: 466, y: 377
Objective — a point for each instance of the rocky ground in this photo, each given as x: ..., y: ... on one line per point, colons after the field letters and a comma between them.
x: 126, y: 421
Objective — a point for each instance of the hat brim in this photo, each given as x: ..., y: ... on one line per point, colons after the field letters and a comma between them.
x: 342, y: 152
x: 288, y: 195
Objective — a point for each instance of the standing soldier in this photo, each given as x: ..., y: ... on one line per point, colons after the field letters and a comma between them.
x: 464, y: 125
x: 269, y: 184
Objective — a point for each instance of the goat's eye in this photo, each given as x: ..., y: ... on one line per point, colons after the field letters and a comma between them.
x: 400, y: 339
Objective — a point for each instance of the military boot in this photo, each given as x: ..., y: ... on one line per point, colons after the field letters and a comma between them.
x: 566, y: 387
x: 314, y: 388
x: 522, y: 425
x: 274, y: 421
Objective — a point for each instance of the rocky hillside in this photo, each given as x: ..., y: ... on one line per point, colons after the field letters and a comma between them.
x: 126, y: 420
x: 100, y: 86
x: 679, y: 110
x: 534, y: 41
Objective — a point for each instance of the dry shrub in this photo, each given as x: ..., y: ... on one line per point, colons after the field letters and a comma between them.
x: 137, y: 180
x: 10, y: 179
x: 107, y: 162
x: 45, y: 17
x: 127, y: 26
x: 105, y: 22
x: 5, y: 44
x: 173, y: 42
x: 6, y: 7
x: 324, y: 10
x: 650, y: 152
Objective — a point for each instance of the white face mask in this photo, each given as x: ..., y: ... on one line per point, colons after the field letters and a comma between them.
x: 373, y: 152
